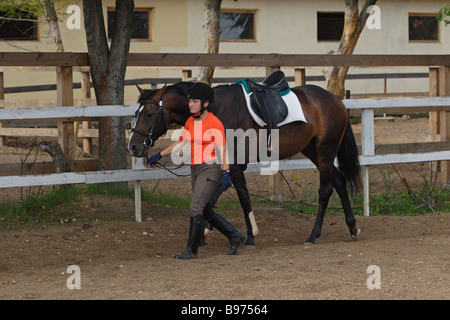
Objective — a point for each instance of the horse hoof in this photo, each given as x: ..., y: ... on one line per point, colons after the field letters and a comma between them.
x: 358, y: 232
x: 312, y: 238
x: 249, y: 242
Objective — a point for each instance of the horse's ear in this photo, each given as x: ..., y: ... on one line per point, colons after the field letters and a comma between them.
x: 141, y: 91
x: 161, y: 91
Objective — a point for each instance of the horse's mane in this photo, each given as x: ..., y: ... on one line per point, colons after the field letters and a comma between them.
x: 179, y: 87
x: 221, y: 86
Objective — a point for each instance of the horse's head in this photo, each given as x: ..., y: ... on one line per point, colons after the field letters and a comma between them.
x: 157, y: 109
x: 151, y: 122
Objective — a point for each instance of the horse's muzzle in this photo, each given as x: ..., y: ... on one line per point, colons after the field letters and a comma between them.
x: 136, y: 150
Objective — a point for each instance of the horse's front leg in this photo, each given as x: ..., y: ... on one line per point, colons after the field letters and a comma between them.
x: 240, y: 185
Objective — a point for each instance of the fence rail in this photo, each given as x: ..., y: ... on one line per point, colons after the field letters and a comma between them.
x: 72, y: 59
x: 155, y: 81
x: 367, y: 107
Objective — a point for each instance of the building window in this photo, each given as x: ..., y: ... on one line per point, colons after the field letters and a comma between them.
x: 330, y: 26
x: 423, y: 27
x: 237, y: 25
x: 22, y: 25
x: 141, y: 24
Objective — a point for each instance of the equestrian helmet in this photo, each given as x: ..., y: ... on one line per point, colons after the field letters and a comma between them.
x: 202, y: 91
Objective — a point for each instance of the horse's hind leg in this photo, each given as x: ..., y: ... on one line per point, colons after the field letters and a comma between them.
x: 238, y: 179
x: 325, y: 191
x: 340, y: 185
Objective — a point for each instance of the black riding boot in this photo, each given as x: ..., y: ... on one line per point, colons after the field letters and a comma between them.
x: 195, y: 233
x: 235, y: 237
x: 203, y: 245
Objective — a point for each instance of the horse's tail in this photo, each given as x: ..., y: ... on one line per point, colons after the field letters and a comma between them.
x: 348, y: 160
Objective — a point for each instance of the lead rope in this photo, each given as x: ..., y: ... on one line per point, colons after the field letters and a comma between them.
x: 160, y: 165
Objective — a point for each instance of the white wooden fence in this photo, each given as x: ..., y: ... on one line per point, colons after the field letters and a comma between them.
x: 368, y: 108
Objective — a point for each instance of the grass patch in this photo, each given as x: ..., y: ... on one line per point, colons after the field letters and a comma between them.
x: 392, y: 203
x: 146, y: 196
x: 403, y: 203
x: 426, y: 196
x: 60, y: 204
x: 48, y: 206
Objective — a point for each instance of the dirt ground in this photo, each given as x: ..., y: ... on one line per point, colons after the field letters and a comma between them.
x: 119, y: 258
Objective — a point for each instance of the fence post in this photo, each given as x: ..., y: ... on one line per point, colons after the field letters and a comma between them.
x: 186, y: 75
x: 368, y: 149
x: 86, y: 94
x: 2, y: 97
x: 444, y: 118
x: 300, y: 77
x: 64, y: 93
x: 137, y: 190
x: 434, y: 92
x: 137, y: 163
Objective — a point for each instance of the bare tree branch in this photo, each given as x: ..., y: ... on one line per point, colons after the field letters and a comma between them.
x: 353, y: 25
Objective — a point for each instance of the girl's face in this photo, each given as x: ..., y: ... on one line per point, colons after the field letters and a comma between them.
x: 195, y: 105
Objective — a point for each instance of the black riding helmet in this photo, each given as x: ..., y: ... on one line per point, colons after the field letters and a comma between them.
x: 202, y: 91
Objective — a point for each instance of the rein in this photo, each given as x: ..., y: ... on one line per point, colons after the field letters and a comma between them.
x: 160, y: 165
x: 149, y: 135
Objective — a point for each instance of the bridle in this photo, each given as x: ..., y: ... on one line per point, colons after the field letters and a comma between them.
x: 149, y: 135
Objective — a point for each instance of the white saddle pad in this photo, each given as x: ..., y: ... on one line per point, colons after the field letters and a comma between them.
x: 295, y: 111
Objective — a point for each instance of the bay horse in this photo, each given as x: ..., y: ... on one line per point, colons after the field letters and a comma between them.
x: 327, y: 134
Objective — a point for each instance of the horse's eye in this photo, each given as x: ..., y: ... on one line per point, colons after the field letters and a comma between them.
x: 149, y: 114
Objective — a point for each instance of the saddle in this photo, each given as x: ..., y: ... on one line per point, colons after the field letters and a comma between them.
x: 266, y: 99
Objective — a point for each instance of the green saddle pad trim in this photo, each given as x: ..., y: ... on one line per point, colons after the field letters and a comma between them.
x: 245, y: 85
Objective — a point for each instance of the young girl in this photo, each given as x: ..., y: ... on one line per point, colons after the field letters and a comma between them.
x: 206, y: 134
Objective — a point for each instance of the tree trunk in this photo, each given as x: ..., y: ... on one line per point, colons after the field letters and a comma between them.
x: 212, y: 31
x: 52, y: 20
x: 108, y: 68
x: 353, y: 25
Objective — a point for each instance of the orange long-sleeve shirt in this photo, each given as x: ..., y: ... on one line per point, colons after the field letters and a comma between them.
x: 204, y: 136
